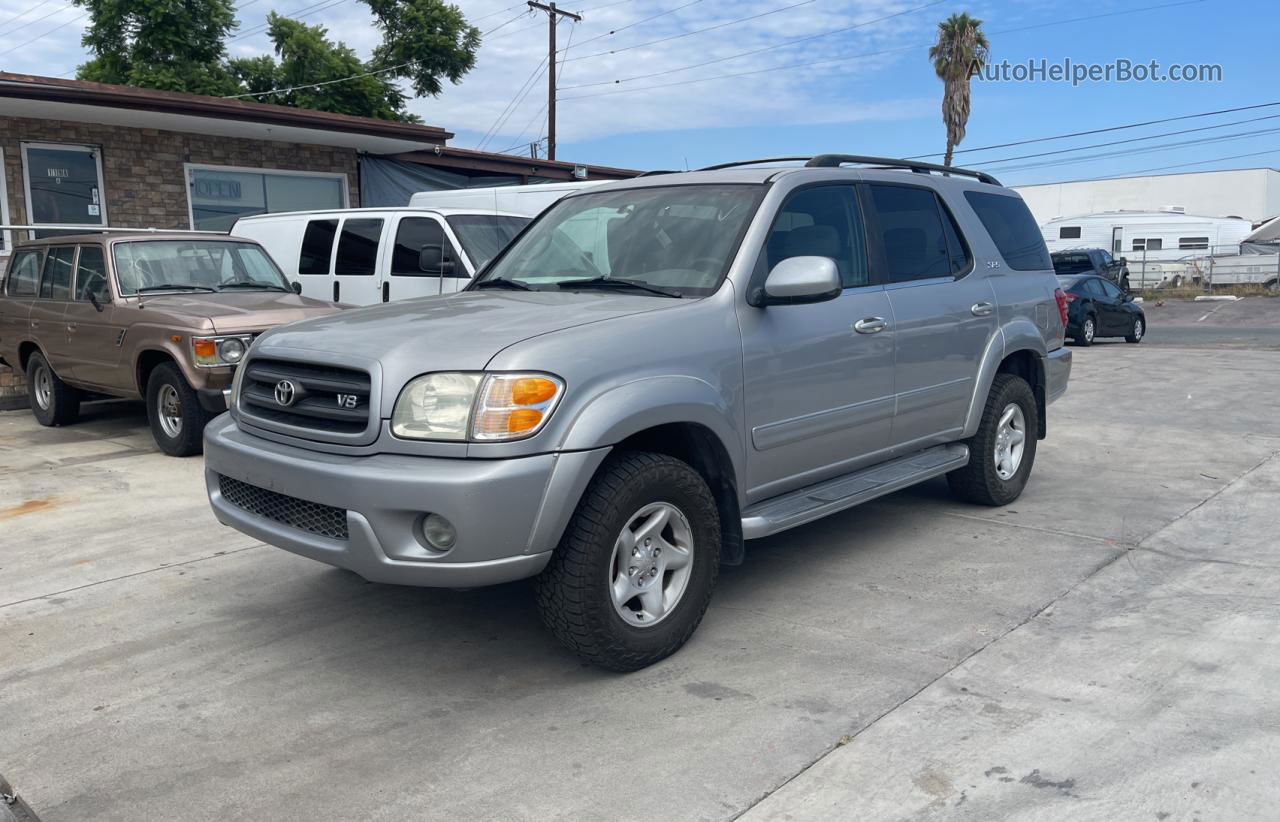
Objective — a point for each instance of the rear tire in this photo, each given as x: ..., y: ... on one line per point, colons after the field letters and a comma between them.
x: 1139, y: 331
x: 1011, y: 406
x: 177, y: 418
x: 606, y: 594
x: 1088, y: 331
x: 53, y: 402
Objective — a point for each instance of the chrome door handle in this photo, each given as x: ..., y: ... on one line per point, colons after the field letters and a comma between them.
x: 981, y: 309
x: 35, y: 323
x: 870, y: 325
x: 71, y: 326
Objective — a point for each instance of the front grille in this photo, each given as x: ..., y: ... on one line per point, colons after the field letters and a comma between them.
x: 323, y: 398
x: 313, y: 517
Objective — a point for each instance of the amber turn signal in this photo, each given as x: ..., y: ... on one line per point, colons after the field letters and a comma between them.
x: 532, y: 391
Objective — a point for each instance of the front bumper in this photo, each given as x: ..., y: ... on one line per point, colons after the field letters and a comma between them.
x: 214, y: 400
x: 509, y: 514
x: 1057, y: 372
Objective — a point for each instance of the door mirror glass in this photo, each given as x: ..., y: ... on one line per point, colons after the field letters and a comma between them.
x: 431, y: 261
x: 297, y: 287
x: 802, y: 280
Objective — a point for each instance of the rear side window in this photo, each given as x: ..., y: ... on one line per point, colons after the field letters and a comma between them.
x: 1012, y: 229
x: 1067, y: 232
x: 317, y: 247
x: 920, y: 238
x: 24, y: 273
x: 412, y: 235
x: 358, y: 248
x: 91, y: 275
x: 822, y: 222
x: 56, y: 282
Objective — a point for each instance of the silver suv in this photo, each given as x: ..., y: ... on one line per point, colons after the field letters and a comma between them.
x: 651, y: 373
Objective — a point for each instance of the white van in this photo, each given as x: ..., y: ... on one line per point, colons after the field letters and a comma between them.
x: 362, y: 256
x: 528, y: 200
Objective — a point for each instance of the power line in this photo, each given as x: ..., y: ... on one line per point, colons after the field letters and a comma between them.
x: 496, y: 13
x: 305, y: 11
x: 847, y: 58
x: 1187, y: 165
x: 22, y: 14
x: 638, y: 22
x: 691, y: 33
x: 1129, y: 152
x: 502, y: 25
x: 519, y: 95
x: 38, y: 19
x: 46, y: 34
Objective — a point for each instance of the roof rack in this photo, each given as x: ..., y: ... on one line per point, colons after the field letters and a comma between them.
x: 837, y: 160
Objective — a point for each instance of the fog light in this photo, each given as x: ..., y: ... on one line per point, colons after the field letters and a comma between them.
x: 438, y: 532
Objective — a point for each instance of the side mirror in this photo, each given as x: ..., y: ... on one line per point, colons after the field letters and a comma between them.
x: 297, y: 287
x: 431, y: 261
x: 798, y: 280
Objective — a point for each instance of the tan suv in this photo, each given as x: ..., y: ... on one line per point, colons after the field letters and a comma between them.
x: 161, y: 317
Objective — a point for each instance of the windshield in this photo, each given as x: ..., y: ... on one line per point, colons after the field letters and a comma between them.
x: 215, y: 265
x: 483, y: 236
x: 1071, y: 263
x: 679, y: 238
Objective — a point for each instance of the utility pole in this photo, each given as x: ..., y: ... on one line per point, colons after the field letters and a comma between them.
x: 553, y: 17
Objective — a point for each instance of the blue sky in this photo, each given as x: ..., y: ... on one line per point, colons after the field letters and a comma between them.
x: 873, y: 91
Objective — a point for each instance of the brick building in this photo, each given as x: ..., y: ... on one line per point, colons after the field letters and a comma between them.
x: 94, y: 155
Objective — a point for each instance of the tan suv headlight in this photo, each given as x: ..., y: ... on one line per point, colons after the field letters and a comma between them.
x: 473, y: 406
x: 218, y: 352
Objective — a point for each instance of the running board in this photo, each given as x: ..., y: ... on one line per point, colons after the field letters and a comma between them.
x: 817, y: 501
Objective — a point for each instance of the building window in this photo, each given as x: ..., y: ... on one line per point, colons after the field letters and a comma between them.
x: 63, y: 186
x: 220, y: 195
x: 1149, y: 244
x: 1069, y: 232
x: 1193, y: 242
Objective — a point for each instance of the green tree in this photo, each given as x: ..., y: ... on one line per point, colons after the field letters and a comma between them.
x: 314, y: 72
x: 159, y: 44
x: 425, y: 40
x: 960, y: 53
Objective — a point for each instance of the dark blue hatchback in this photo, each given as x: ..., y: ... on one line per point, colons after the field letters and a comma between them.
x: 1096, y: 307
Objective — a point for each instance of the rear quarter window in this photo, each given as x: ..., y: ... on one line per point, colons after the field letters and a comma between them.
x: 1012, y: 228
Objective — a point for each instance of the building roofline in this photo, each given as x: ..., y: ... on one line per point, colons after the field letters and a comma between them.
x: 471, y: 159
x: 81, y: 92
x: 1143, y: 176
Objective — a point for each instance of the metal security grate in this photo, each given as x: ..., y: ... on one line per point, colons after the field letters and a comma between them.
x: 324, y: 520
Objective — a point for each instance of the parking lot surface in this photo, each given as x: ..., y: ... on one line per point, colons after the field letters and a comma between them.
x: 1102, y: 648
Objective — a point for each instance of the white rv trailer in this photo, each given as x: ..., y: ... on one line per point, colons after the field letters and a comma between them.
x: 528, y: 200
x: 1161, y: 247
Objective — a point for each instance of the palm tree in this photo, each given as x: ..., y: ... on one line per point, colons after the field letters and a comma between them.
x: 960, y: 53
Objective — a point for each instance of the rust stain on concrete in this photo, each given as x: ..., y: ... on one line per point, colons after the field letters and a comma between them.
x: 30, y: 506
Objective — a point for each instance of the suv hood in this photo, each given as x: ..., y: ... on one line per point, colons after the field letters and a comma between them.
x: 231, y: 312
x: 455, y: 332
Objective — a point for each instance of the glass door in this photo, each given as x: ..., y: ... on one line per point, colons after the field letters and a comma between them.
x: 64, y: 186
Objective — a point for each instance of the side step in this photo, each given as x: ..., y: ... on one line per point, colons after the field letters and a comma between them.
x: 817, y: 501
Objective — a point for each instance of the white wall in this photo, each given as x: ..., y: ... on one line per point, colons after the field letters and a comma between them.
x: 1252, y: 193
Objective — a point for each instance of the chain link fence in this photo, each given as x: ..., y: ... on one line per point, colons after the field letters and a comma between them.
x: 1206, y: 269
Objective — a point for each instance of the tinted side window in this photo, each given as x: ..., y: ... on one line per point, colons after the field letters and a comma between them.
x: 317, y: 247
x: 822, y: 222
x: 358, y: 247
x: 1093, y: 287
x: 913, y: 233
x: 411, y: 235
x: 55, y: 284
x: 1109, y: 288
x: 1012, y: 229
x: 24, y: 273
x: 91, y: 275
x: 1069, y: 232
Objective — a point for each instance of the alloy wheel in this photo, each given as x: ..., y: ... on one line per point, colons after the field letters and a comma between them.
x: 1011, y: 438
x: 652, y: 563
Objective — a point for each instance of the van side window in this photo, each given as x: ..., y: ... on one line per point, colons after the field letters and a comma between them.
x: 412, y: 235
x: 55, y: 284
x: 24, y: 273
x: 824, y: 221
x: 915, y: 235
x: 1012, y: 228
x: 91, y: 275
x: 358, y: 248
x: 317, y: 247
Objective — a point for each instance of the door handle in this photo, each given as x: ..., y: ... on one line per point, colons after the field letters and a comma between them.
x: 35, y: 323
x: 981, y: 309
x: 870, y: 325
x: 386, y: 291
x: 71, y: 327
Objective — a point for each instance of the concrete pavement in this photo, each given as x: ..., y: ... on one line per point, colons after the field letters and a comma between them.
x: 157, y: 665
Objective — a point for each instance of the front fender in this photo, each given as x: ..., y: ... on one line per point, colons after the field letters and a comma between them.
x: 628, y: 409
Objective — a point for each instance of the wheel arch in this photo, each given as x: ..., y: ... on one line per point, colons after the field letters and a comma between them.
x: 25, y: 350
x: 1018, y: 349
x: 147, y: 361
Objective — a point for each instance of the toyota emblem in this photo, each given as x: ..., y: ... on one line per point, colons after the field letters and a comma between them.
x: 286, y: 393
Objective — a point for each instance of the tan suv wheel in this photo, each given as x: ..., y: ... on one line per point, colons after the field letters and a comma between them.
x: 53, y: 402
x: 177, y: 418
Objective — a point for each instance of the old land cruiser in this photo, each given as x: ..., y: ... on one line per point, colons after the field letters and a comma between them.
x: 651, y: 373
x: 162, y: 317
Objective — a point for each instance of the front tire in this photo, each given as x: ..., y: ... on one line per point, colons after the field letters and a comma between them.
x: 1088, y: 331
x: 1139, y: 330
x: 177, y: 419
x: 1004, y: 449
x: 53, y: 402
x: 634, y: 571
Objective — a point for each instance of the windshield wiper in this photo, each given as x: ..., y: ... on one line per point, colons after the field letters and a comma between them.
x: 614, y: 282
x: 502, y: 282
x: 268, y: 286
x: 176, y: 287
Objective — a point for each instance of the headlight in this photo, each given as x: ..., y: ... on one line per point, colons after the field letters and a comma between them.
x: 479, y: 407
x: 215, y: 352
